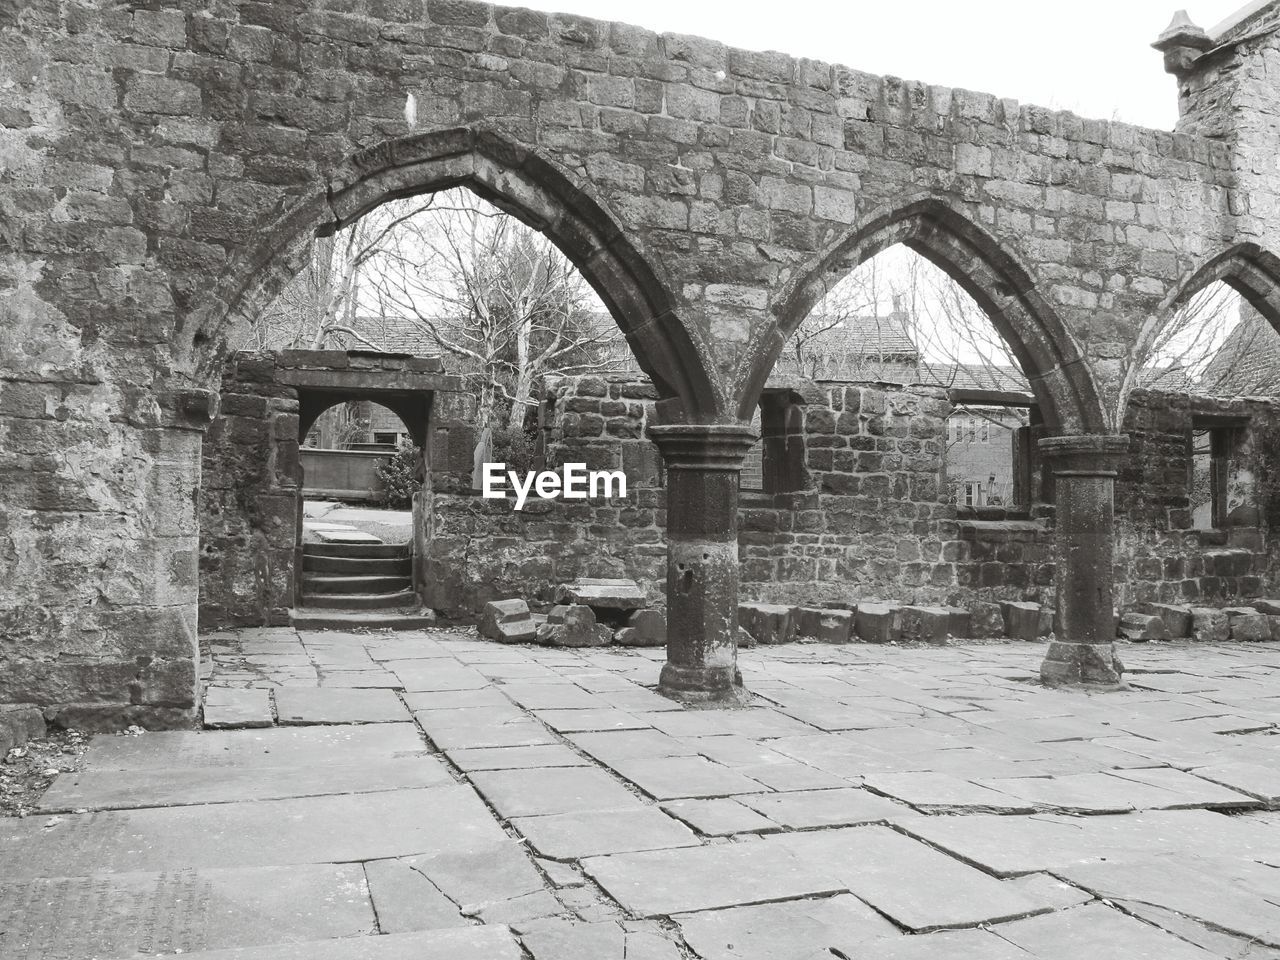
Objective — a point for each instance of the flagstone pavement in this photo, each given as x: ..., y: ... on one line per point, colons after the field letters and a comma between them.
x: 427, y: 795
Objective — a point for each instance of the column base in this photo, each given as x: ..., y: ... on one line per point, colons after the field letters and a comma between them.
x: 1092, y: 666
x: 703, y: 686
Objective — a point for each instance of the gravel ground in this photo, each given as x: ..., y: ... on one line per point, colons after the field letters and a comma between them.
x: 27, y: 771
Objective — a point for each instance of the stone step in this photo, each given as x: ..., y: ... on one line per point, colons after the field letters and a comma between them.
x: 357, y: 566
x: 407, y: 619
x: 368, y: 551
x: 360, y: 601
x: 394, y: 583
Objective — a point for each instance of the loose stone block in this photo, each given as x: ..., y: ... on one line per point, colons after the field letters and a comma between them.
x: 960, y: 622
x: 603, y: 594
x: 645, y: 628
x: 18, y: 724
x: 507, y: 621
x: 1176, y: 618
x: 1021, y: 620
x: 768, y: 623
x: 1269, y: 607
x: 878, y: 622
x: 824, y: 625
x: 1247, y: 624
x: 925, y: 623
x: 572, y: 625
x: 1142, y: 627
x: 1209, y: 625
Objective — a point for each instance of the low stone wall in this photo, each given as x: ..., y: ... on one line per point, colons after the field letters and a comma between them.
x: 342, y: 474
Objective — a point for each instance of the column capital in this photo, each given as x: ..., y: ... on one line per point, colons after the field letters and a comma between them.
x: 1085, y: 455
x: 703, y: 446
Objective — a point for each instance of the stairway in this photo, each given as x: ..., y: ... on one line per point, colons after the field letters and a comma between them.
x: 348, y: 586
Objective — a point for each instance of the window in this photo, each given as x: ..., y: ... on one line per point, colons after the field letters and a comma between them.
x: 984, y: 431
x: 386, y: 438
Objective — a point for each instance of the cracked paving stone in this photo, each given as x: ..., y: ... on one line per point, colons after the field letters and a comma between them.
x: 516, y: 758
x: 825, y: 808
x: 482, y: 727
x: 1049, y: 889
x: 569, y: 940
x: 589, y: 721
x: 250, y: 749
x: 532, y: 793
x: 468, y: 943
x: 182, y: 910
x: 337, y: 829
x: 1217, y: 942
x: 790, y: 930
x: 719, y: 817
x: 571, y: 836
x: 664, y: 882
x: 1119, y: 792
x: 675, y: 778
x: 631, y: 745
x: 1099, y: 931
x: 228, y: 709
x: 1007, y: 846
x: 950, y: 945
x: 299, y: 705
x: 942, y: 792
x: 554, y: 696
x: 1255, y: 780
x: 908, y: 881
x: 126, y: 789
x: 406, y: 901
x: 1232, y: 895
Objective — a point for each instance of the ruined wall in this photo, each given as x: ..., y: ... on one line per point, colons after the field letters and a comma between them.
x: 481, y: 550
x: 1160, y: 557
x: 250, y: 501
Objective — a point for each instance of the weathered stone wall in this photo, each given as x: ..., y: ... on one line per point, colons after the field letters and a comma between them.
x: 250, y: 500
x: 481, y: 550
x: 165, y: 169
x: 1160, y: 557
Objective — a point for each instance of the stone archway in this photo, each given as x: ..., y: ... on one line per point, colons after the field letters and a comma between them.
x: 1051, y: 359
x: 1247, y: 268
x: 520, y: 183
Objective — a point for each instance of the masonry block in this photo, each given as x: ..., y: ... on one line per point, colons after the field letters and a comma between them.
x: 507, y: 621
x: 824, y: 625
x: 1247, y: 624
x: 768, y: 623
x: 1176, y: 618
x: 1209, y: 625
x: 1021, y: 620
x: 645, y: 628
x: 878, y: 622
x: 1141, y: 627
x: 573, y: 625
x: 931, y: 624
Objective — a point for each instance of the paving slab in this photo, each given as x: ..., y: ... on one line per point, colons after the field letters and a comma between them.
x: 263, y: 833
x: 560, y: 939
x: 588, y: 721
x: 673, y: 778
x: 955, y: 945
x: 571, y: 836
x: 280, y: 746
x: 516, y: 758
x: 1099, y: 931
x: 1217, y: 942
x: 181, y: 910
x: 469, y: 943
x: 791, y: 930
x: 940, y: 792
x: 664, y: 882
x: 631, y: 745
x: 226, y: 708
x: 554, y: 696
x: 1251, y: 779
x: 806, y: 809
x: 299, y: 705
x: 532, y: 793
x: 1012, y: 845
x: 126, y: 789
x: 405, y: 900
x: 1230, y: 895
x: 489, y: 873
x: 918, y: 887
x: 719, y: 817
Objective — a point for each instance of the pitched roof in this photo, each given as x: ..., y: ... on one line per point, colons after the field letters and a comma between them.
x: 974, y: 376
x: 867, y: 337
x: 1248, y: 362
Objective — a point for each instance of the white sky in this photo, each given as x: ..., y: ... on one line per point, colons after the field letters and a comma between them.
x: 1093, y: 57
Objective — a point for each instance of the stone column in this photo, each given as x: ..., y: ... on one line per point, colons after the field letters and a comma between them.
x: 702, y: 465
x: 1083, y: 650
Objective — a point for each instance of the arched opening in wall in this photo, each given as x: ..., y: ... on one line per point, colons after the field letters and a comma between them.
x: 540, y: 377
x: 917, y: 382
x: 1212, y: 369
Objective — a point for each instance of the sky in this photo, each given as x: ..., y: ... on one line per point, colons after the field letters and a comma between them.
x: 1092, y: 57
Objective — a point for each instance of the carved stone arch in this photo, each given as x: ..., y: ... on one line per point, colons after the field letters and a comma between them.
x: 517, y: 181
x: 1049, y: 355
x: 1247, y: 268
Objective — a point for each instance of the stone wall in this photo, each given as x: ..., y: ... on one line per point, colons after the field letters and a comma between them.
x: 250, y: 501
x: 481, y: 550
